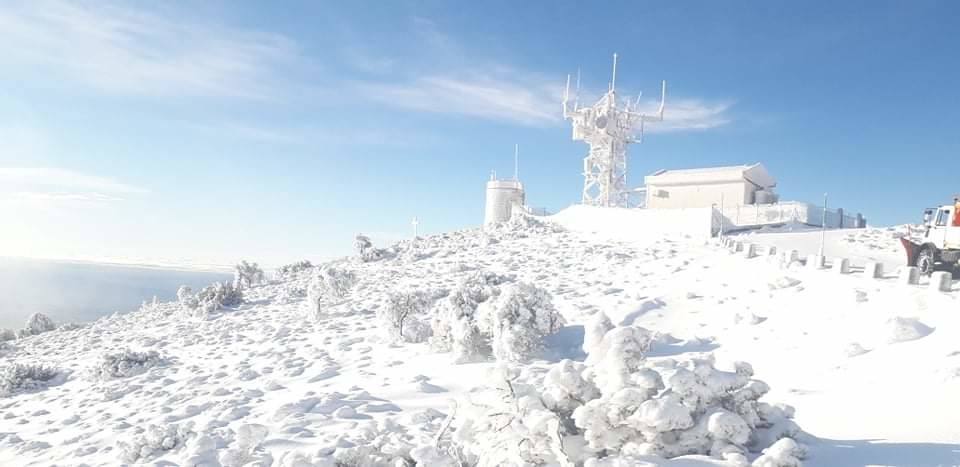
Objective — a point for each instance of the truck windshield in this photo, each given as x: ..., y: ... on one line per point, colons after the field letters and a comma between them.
x: 942, y: 217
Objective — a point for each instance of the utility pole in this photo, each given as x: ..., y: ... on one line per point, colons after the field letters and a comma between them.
x: 823, y: 225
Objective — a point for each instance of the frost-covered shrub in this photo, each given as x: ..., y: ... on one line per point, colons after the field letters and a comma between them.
x: 329, y: 283
x: 366, y: 252
x: 7, y: 335
x: 595, y: 329
x: 292, y: 269
x: 402, y: 316
x: 456, y: 326
x: 209, y: 299
x: 37, y: 323
x: 247, y: 450
x: 362, y: 243
x: 247, y: 275
x: 18, y: 377
x: 126, y: 363
x: 154, y: 442
x: 520, y: 318
x: 576, y: 414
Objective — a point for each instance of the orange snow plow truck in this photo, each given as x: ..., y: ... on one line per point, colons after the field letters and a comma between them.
x: 938, y: 249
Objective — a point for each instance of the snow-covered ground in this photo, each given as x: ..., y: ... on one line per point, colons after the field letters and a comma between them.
x: 871, y: 367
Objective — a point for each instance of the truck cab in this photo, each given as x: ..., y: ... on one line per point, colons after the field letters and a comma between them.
x: 939, y: 247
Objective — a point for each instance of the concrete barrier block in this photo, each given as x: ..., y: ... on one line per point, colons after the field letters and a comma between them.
x: 841, y: 266
x: 940, y: 281
x: 909, y: 275
x: 873, y: 270
x: 771, y: 250
x: 738, y: 247
x: 794, y: 256
x: 815, y: 261
x: 749, y: 250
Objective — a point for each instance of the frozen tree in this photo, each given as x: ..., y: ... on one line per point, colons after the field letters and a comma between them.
x: 520, y: 318
x: 37, y: 323
x: 456, y: 326
x: 209, y: 299
x: 18, y: 377
x: 329, y: 283
x: 595, y: 329
x: 126, y: 363
x: 186, y: 298
x: 292, y: 269
x: 402, y: 315
x: 247, y: 275
x: 362, y: 243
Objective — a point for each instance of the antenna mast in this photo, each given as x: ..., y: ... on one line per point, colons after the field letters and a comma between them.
x: 607, y: 128
x: 516, y: 162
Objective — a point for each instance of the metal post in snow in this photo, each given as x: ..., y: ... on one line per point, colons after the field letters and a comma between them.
x: 823, y: 225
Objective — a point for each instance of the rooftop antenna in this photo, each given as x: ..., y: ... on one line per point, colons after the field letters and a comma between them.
x: 608, y: 127
x: 576, y: 98
x: 613, y: 82
x: 516, y: 162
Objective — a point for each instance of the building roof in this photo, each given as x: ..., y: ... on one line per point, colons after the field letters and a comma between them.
x: 754, y: 173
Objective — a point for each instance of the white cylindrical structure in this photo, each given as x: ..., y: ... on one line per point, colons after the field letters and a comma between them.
x: 502, y: 196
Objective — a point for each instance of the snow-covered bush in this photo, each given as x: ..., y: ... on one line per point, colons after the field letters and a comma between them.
x: 366, y: 252
x: 594, y: 330
x: 402, y: 318
x: 487, y: 316
x: 601, y: 414
x: 126, y: 363
x: 209, y: 299
x: 247, y: 450
x: 18, y: 377
x: 456, y: 326
x: 292, y: 269
x: 154, y: 442
x: 520, y: 318
x: 331, y: 284
x: 7, y: 335
x: 247, y: 275
x: 37, y: 323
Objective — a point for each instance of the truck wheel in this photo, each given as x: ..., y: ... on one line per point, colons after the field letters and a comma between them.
x: 926, y: 261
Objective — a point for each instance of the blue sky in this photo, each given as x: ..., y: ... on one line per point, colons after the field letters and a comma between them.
x: 221, y: 130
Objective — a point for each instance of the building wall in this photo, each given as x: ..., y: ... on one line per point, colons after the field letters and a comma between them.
x: 699, y: 196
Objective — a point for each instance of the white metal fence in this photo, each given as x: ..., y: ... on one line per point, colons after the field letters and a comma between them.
x: 745, y: 216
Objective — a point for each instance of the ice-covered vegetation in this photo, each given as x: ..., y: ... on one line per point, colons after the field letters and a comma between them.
x: 38, y: 323
x: 617, y: 407
x: 287, y: 271
x: 154, y: 441
x: 126, y: 363
x: 7, y: 335
x: 247, y: 275
x: 17, y: 377
x: 491, y: 314
x: 209, y: 299
x: 405, y: 315
x: 330, y: 284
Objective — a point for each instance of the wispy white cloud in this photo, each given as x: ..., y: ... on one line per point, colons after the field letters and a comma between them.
x: 690, y: 114
x: 128, y: 51
x: 516, y: 100
x: 49, y: 185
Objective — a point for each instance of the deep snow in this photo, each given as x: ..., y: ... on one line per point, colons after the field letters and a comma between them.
x: 871, y: 367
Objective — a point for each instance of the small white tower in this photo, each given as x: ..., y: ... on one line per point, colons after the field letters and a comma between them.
x: 503, y: 196
x: 607, y: 128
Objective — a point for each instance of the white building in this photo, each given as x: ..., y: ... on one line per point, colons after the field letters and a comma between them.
x: 503, y: 197
x: 706, y: 187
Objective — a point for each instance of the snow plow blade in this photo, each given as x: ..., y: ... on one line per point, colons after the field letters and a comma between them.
x: 912, y: 250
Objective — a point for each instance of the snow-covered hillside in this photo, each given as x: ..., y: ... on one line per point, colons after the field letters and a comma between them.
x: 870, y: 367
